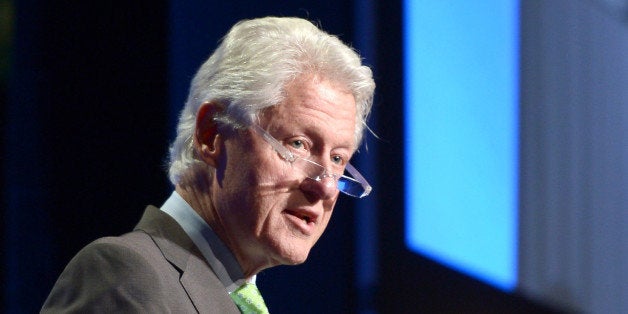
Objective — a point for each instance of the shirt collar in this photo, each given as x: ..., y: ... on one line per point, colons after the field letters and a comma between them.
x: 217, y: 254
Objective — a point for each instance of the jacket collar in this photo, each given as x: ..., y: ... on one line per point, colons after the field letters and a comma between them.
x: 196, y: 277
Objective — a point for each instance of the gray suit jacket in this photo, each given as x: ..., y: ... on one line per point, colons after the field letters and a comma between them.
x: 154, y: 269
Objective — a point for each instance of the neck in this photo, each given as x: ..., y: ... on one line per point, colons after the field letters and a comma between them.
x: 195, y: 187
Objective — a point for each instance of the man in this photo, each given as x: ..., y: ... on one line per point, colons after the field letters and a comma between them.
x: 271, y: 121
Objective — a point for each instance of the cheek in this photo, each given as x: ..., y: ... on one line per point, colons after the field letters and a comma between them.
x: 251, y: 188
x: 328, y: 211
x: 272, y: 177
x: 244, y: 169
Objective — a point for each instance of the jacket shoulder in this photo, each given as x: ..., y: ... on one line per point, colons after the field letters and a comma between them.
x: 118, y: 274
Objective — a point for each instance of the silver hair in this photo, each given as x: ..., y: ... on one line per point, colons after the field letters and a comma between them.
x: 252, y: 65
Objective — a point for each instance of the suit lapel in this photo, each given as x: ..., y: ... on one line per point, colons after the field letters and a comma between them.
x: 198, y: 290
x: 198, y: 280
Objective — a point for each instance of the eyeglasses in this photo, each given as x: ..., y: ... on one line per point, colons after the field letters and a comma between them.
x: 354, y: 185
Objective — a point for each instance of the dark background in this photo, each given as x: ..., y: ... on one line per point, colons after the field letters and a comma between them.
x: 89, y: 107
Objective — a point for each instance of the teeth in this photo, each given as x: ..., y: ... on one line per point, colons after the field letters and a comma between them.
x: 303, y: 216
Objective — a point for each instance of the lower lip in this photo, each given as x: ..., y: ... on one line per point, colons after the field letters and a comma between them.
x: 303, y: 226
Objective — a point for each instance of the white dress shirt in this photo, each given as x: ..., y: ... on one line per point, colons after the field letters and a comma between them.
x: 217, y: 254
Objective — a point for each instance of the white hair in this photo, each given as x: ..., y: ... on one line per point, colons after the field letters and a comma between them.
x: 250, y: 69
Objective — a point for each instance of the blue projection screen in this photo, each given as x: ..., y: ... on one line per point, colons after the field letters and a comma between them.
x: 461, y: 133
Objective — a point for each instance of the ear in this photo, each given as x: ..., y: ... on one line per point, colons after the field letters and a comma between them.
x: 207, y: 141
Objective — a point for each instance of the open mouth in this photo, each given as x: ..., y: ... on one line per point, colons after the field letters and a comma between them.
x: 301, y: 215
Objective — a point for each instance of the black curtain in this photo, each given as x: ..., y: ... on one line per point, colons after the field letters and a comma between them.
x: 85, y: 133
x: 93, y: 94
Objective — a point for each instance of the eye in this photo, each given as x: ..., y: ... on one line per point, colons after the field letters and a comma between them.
x: 337, y: 159
x: 297, y: 144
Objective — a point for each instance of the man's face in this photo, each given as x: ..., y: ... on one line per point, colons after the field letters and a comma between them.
x: 269, y: 212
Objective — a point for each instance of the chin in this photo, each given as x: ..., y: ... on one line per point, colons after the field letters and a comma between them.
x: 289, y: 250
x: 293, y: 258
x: 294, y: 262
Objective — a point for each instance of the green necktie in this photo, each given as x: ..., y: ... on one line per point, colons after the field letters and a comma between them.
x: 249, y: 300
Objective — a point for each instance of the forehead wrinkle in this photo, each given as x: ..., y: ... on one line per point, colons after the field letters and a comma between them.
x: 317, y: 109
x: 325, y: 129
x: 332, y: 110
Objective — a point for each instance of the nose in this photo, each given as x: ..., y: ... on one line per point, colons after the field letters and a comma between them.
x: 324, y: 188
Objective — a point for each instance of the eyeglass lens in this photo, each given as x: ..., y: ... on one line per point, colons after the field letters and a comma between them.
x: 317, y: 172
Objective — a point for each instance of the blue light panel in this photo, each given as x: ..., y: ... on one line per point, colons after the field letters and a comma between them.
x: 461, y: 135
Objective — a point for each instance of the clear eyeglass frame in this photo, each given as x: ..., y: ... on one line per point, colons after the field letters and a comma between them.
x: 354, y: 184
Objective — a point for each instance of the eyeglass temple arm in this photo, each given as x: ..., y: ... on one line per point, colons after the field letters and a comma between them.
x: 284, y: 152
x: 354, y: 172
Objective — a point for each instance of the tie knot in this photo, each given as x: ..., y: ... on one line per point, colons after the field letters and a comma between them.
x: 249, y: 300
